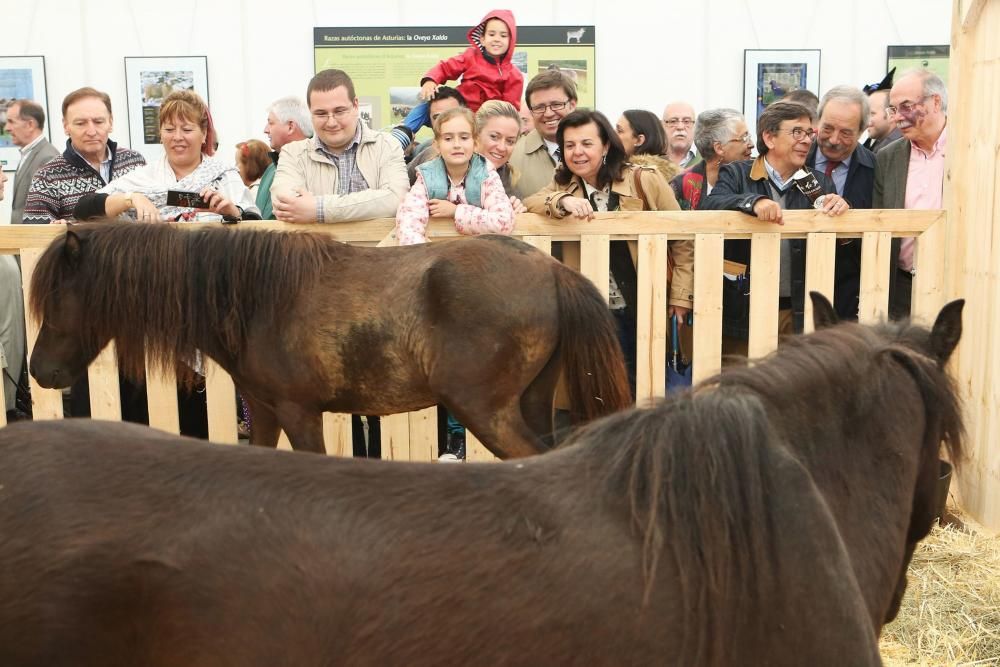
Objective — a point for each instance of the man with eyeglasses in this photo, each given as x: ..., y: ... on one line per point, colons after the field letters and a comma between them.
x: 678, y: 122
x: 843, y: 116
x: 347, y: 171
x: 910, y: 174
x: 776, y: 181
x: 551, y: 95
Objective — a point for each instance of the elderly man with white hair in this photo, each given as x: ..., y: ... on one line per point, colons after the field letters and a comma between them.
x: 910, y: 174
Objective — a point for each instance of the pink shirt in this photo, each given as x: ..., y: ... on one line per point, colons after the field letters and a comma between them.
x: 495, y: 217
x: 924, y: 187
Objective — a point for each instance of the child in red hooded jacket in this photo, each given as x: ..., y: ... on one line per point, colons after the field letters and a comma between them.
x: 485, y: 68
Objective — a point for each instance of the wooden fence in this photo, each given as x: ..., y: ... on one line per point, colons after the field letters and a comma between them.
x: 413, y: 436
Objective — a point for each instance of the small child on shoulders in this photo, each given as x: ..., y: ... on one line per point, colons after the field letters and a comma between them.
x: 459, y: 184
x: 485, y: 68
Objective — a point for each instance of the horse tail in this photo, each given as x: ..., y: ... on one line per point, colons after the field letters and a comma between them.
x: 592, y: 359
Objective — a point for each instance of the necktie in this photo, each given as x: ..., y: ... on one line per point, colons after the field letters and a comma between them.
x: 830, y: 166
x: 558, y: 156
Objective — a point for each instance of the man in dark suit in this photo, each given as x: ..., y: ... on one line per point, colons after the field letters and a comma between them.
x: 910, y: 172
x: 843, y: 116
x: 25, y: 122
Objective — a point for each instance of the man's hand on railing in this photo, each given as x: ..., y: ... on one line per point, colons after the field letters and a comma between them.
x: 768, y: 210
x: 834, y: 204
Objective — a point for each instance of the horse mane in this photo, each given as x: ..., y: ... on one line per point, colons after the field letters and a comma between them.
x: 705, y: 501
x: 696, y: 468
x: 834, y: 363
x: 160, y: 290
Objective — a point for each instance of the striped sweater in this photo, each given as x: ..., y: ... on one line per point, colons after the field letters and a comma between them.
x: 59, y: 184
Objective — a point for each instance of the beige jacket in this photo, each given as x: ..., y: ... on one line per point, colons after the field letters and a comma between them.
x: 533, y: 165
x: 659, y: 197
x: 380, y: 160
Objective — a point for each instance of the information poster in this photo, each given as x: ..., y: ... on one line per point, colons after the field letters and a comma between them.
x: 386, y: 64
x: 934, y: 58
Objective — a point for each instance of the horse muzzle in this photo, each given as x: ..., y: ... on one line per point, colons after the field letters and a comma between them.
x: 50, y: 376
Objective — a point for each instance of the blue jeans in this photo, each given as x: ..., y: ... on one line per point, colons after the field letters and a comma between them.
x: 419, y: 116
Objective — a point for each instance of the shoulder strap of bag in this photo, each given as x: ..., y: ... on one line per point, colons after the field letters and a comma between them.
x: 636, y: 177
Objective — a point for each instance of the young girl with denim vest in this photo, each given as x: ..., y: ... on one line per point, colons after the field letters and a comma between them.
x: 458, y: 184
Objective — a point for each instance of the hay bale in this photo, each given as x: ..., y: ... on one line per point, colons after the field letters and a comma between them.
x: 951, y: 612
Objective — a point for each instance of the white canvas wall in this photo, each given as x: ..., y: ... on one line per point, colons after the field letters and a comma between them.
x: 647, y: 52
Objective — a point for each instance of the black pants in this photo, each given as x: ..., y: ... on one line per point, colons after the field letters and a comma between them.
x: 192, y: 407
x: 900, y: 295
x: 373, y: 448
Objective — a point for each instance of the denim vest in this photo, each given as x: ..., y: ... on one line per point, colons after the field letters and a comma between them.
x: 436, y: 179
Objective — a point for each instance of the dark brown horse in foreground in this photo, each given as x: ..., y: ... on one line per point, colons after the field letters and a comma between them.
x: 766, y: 518
x: 305, y: 324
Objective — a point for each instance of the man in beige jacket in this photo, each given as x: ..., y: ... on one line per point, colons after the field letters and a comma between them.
x: 550, y: 96
x: 347, y: 171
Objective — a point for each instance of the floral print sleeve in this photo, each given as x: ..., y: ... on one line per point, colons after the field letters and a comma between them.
x: 411, y: 217
x: 495, y: 217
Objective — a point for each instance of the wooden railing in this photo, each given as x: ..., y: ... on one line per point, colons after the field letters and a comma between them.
x: 413, y: 436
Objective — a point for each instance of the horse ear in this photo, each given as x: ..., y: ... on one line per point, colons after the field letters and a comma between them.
x: 823, y: 313
x: 947, y: 331
x: 72, y: 248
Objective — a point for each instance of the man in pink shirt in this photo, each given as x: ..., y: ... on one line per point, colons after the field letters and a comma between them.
x: 910, y: 173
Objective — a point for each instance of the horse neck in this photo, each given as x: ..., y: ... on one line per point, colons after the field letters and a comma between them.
x: 865, y: 457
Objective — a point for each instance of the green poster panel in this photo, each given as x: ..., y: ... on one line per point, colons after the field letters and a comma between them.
x: 386, y: 64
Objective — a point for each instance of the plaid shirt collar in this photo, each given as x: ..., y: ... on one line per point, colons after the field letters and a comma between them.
x: 325, y: 151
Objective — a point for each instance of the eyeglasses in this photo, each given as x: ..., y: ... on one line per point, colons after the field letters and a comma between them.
x: 904, y: 107
x: 539, y: 109
x: 743, y: 139
x: 673, y: 122
x: 799, y: 134
x: 337, y: 114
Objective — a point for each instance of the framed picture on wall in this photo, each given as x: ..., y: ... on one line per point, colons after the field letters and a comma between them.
x: 769, y: 74
x: 148, y: 81
x: 21, y: 78
x: 932, y: 57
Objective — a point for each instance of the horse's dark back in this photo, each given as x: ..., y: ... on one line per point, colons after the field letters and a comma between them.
x: 304, y: 324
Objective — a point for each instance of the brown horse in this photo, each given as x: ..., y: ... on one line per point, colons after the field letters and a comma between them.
x: 305, y: 324
x: 705, y: 530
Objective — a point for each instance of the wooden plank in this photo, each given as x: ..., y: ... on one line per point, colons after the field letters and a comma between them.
x: 682, y: 224
x: 221, y: 395
x: 929, y: 282
x: 161, y: 397
x: 651, y: 318
x: 45, y: 403
x: 337, y: 434
x: 424, y: 434
x: 475, y: 451
x: 707, y: 305
x: 821, y: 258
x: 571, y: 253
x: 284, y: 443
x: 396, y: 437
x: 973, y: 9
x: 595, y: 261
x: 875, y: 259
x: 543, y: 243
x: 105, y: 396
x: 765, y: 260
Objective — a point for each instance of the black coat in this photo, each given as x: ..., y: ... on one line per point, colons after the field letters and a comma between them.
x: 741, y: 185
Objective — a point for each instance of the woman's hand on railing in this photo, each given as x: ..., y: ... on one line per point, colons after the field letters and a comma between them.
x: 517, y: 205
x: 578, y: 207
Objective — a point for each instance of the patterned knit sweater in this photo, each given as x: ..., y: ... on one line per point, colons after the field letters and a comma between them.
x: 58, y: 185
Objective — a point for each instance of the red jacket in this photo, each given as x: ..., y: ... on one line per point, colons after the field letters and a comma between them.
x: 481, y: 79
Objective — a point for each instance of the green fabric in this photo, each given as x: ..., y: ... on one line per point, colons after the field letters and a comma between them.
x: 264, y: 193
